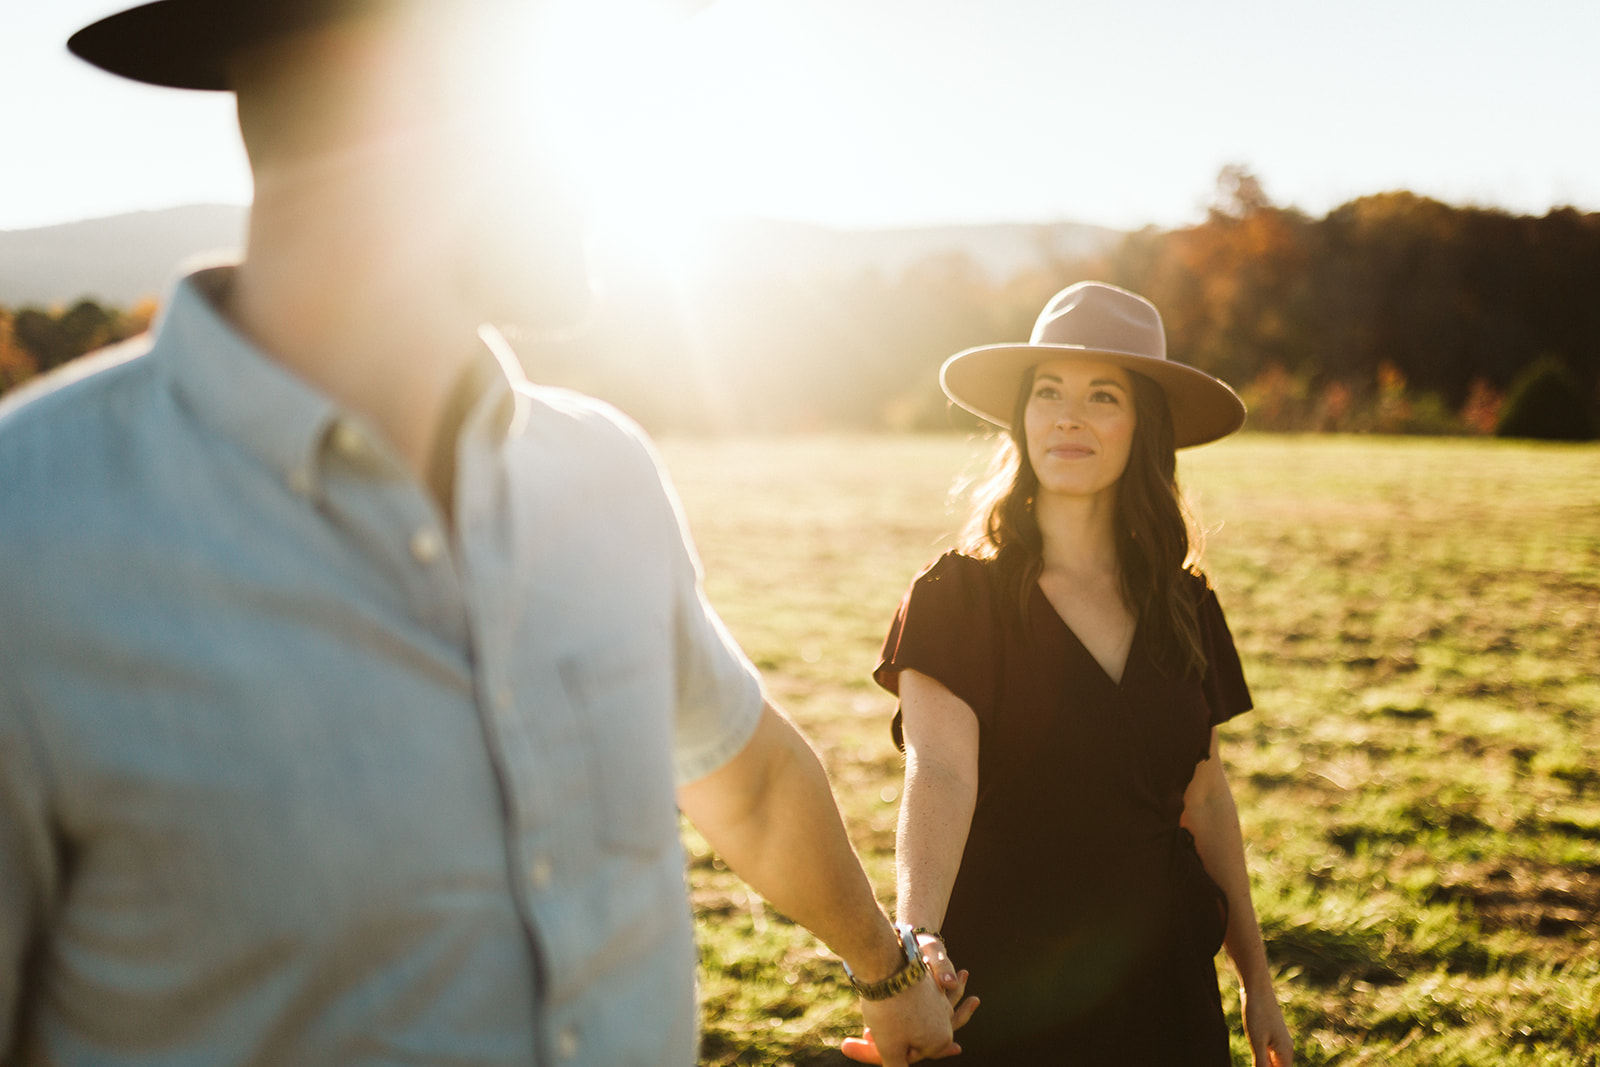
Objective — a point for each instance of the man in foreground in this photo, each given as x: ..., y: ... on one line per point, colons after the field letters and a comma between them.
x: 349, y: 683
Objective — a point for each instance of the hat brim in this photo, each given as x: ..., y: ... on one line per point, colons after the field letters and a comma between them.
x: 187, y: 44
x: 182, y: 44
x: 985, y: 381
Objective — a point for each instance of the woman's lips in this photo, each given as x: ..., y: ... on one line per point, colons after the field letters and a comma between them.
x: 1071, y: 451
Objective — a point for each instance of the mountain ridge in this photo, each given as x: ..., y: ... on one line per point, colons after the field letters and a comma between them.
x: 120, y: 259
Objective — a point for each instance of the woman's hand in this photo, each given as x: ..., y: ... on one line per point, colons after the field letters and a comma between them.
x: 1268, y: 1033
x: 951, y: 982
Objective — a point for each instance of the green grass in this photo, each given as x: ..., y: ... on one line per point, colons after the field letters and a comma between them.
x: 1420, y: 624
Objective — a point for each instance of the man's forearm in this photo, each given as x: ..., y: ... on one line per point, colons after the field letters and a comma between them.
x: 770, y: 814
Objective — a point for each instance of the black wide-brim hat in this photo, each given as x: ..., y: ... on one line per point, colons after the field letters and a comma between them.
x: 187, y: 44
x: 1104, y: 324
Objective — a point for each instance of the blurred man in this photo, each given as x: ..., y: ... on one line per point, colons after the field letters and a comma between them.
x: 350, y: 683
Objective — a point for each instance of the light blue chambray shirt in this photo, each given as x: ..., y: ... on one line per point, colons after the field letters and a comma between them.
x: 291, y: 774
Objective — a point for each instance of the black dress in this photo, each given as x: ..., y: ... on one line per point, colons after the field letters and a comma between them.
x: 1080, y: 908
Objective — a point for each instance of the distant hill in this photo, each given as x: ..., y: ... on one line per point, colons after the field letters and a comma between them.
x: 997, y: 250
x: 119, y: 259
x: 115, y: 260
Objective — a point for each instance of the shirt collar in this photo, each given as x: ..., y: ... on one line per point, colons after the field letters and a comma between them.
x: 509, y: 408
x: 234, y: 388
x: 240, y: 392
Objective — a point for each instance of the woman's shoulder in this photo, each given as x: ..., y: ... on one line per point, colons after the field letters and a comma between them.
x: 1196, y: 584
x: 954, y: 582
x: 956, y: 570
x: 956, y: 563
x: 1208, y: 611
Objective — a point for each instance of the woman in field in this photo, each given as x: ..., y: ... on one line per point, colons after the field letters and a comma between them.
x: 1066, y: 827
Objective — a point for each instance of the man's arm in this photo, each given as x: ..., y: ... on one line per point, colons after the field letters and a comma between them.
x: 27, y: 867
x: 771, y: 815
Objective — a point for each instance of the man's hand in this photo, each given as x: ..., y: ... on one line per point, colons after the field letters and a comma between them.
x: 910, y: 1026
x: 946, y: 980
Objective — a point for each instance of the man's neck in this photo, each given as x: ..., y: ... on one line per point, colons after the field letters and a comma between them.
x: 388, y: 344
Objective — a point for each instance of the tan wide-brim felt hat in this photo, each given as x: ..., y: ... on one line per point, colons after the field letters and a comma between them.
x: 1101, y: 323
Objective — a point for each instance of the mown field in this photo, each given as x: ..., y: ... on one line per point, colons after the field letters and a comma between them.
x: 1419, y: 785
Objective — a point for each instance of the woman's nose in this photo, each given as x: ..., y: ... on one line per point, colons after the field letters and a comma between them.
x: 1069, y: 415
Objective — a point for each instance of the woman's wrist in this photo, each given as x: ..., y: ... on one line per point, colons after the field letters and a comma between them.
x: 1257, y: 981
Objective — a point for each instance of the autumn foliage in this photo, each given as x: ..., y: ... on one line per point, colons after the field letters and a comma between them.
x: 1394, y: 313
x: 34, y: 340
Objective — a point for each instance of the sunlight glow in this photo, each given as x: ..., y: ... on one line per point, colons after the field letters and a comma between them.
x: 612, y: 96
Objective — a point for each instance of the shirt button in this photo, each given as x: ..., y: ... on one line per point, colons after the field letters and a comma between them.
x: 347, y: 439
x: 300, y: 481
x: 540, y: 872
x: 567, y: 1042
x: 504, y: 700
x: 426, y: 546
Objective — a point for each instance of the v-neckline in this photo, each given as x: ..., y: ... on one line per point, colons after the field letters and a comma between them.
x: 1072, y: 635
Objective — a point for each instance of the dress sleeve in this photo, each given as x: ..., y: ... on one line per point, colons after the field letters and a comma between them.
x: 1224, y: 686
x: 944, y: 629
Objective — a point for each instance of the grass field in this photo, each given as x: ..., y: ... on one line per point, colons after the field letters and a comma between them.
x: 1420, y: 624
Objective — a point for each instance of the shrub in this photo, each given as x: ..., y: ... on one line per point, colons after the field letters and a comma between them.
x: 1546, y: 402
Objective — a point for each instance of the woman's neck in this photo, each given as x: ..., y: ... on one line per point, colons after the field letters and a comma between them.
x: 1078, y: 535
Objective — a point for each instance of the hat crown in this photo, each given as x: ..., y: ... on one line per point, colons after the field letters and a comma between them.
x: 1099, y: 316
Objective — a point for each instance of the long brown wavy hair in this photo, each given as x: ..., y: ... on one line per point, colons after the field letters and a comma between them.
x: 1156, y: 543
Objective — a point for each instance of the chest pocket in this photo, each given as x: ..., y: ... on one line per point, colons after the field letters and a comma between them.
x: 622, y: 695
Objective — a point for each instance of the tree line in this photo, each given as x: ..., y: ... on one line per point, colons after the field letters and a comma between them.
x: 1391, y: 313
x: 35, y: 340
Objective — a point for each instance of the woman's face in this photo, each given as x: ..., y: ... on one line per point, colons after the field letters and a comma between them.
x: 1079, y: 423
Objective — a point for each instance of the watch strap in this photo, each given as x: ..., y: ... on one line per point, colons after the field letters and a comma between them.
x: 908, y: 974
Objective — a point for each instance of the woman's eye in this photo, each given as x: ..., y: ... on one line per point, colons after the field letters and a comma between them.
x: 1101, y: 396
x: 1045, y: 392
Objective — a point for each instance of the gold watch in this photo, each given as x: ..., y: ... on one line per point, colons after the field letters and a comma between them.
x: 908, y: 975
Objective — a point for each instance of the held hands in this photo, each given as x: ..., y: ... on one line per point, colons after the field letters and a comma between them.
x: 948, y: 984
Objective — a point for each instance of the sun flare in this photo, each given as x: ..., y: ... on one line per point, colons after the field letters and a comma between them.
x: 612, y: 93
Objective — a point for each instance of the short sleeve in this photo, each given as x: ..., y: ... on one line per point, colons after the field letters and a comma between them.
x: 945, y: 630
x: 719, y: 694
x: 1224, y: 686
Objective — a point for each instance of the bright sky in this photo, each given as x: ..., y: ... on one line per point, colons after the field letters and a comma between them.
x: 880, y: 113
